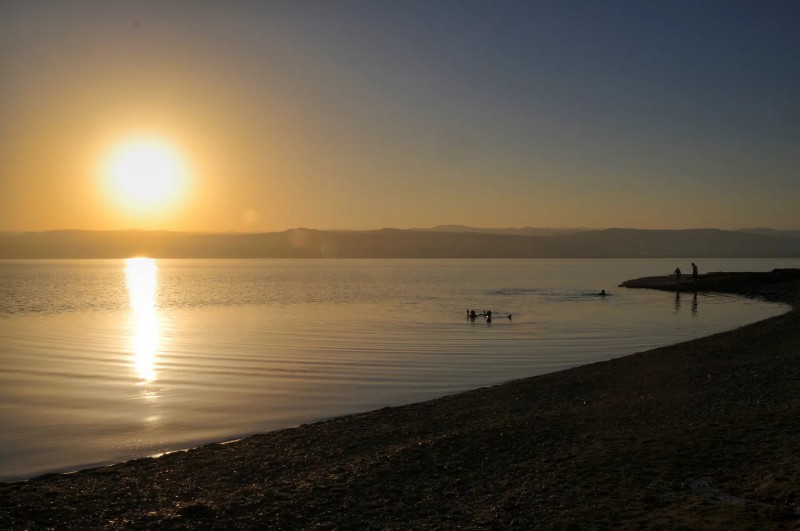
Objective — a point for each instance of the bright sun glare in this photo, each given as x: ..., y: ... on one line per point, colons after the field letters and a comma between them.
x: 145, y: 174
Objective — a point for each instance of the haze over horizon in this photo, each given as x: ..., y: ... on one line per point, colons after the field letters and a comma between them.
x: 259, y: 117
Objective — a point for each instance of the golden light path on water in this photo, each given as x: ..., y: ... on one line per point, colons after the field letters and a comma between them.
x: 141, y: 278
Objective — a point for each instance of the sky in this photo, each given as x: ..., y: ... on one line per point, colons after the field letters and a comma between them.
x: 387, y: 113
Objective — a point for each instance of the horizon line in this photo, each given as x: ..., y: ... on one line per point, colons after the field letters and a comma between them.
x: 443, y: 228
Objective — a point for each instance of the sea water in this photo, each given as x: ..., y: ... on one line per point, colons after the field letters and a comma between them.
x: 108, y: 360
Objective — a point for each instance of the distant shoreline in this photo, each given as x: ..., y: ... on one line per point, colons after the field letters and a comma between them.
x: 395, y: 243
x: 697, y: 434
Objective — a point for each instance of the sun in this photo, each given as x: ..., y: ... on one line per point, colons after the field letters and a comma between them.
x: 145, y: 174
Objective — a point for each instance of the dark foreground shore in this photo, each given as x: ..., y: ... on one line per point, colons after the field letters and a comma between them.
x: 703, y: 434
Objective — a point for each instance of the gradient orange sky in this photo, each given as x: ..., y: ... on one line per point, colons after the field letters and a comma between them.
x: 360, y: 115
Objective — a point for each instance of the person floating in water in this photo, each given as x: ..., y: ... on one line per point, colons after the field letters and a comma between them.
x: 487, y: 314
x: 602, y: 293
x: 694, y: 271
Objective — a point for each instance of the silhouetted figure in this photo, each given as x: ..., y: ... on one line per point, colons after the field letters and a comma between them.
x: 694, y: 271
x: 678, y: 275
x: 487, y: 314
x: 602, y: 293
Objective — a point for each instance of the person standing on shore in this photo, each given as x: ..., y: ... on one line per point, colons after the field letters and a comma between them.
x: 678, y: 275
x: 694, y: 271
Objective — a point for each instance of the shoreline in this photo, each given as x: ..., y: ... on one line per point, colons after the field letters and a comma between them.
x: 696, y: 434
x: 774, y: 286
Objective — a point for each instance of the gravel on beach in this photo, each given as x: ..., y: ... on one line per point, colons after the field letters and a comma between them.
x: 702, y: 434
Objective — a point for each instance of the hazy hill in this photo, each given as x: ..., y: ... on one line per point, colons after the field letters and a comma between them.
x: 524, y: 231
x: 774, y: 232
x: 394, y: 243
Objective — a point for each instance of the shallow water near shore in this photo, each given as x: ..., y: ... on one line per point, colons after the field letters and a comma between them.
x: 107, y: 360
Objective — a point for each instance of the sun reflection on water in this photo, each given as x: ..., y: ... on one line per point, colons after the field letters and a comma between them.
x: 141, y: 276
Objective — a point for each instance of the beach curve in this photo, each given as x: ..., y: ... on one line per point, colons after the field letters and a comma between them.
x: 698, y: 434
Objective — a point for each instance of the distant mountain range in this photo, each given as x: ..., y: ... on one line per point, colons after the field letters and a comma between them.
x: 524, y: 231
x: 440, y: 242
x: 773, y: 232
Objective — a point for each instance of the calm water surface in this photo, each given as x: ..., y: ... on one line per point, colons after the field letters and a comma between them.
x: 106, y: 360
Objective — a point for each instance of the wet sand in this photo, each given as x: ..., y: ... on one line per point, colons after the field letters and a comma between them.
x: 702, y: 434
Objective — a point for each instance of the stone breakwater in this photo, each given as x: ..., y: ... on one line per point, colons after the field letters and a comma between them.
x: 701, y: 434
